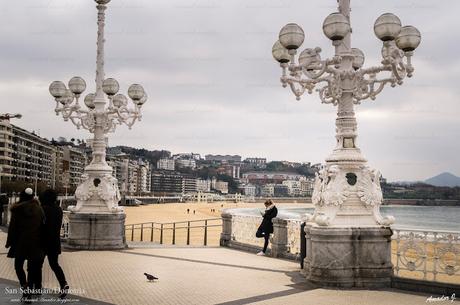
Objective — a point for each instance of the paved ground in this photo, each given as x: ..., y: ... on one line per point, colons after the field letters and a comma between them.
x: 192, y: 276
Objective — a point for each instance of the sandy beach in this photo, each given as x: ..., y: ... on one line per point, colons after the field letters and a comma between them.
x: 173, y: 212
x: 177, y: 212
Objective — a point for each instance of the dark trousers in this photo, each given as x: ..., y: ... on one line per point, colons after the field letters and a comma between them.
x: 34, y: 272
x: 54, y: 265
x: 266, y: 236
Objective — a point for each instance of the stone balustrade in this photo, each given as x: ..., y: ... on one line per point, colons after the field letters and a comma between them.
x: 239, y: 231
x: 432, y: 256
x: 427, y: 255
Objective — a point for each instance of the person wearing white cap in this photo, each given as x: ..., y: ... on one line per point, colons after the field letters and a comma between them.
x: 25, y: 242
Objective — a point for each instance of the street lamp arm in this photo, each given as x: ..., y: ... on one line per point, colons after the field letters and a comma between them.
x: 325, y: 66
x: 369, y: 90
x: 301, y: 85
x: 331, y: 93
x: 374, y: 70
x: 392, y: 62
x: 311, y: 64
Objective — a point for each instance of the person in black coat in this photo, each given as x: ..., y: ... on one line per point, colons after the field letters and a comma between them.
x: 24, y: 240
x: 52, y: 235
x: 266, y: 227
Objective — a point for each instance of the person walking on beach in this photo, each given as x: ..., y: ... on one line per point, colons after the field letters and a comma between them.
x: 25, y: 242
x: 266, y: 227
x: 51, y: 236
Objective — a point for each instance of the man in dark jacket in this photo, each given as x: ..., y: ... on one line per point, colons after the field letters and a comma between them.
x: 266, y: 227
x: 52, y: 235
x: 24, y: 240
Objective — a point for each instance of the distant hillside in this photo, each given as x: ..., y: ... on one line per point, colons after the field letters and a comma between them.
x: 150, y: 155
x: 444, y: 179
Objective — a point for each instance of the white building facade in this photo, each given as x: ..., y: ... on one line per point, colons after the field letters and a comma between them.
x: 166, y: 164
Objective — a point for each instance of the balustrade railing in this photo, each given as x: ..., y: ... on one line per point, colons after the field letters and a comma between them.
x: 65, y: 225
x: 293, y: 236
x: 194, y: 232
x: 417, y: 254
x: 239, y: 231
x: 244, y: 230
x: 427, y: 255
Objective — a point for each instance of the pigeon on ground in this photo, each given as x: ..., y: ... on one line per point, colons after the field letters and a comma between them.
x: 150, y: 277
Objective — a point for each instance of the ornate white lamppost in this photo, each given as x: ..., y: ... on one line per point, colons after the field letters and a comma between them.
x: 97, y: 222
x: 348, y: 240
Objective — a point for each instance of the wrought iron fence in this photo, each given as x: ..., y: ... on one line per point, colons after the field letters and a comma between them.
x: 65, y: 225
x: 293, y: 236
x: 418, y: 254
x: 428, y: 255
x: 194, y: 232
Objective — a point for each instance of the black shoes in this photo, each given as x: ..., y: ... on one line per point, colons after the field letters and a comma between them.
x: 64, y: 291
x: 26, y: 298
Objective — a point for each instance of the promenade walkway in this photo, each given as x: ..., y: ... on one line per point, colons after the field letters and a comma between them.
x: 191, y: 275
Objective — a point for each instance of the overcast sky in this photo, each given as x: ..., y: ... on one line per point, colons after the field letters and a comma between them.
x: 214, y: 88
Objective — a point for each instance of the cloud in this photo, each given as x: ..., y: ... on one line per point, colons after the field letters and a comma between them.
x: 214, y: 88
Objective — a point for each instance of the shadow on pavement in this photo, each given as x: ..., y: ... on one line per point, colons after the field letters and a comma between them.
x: 201, y: 262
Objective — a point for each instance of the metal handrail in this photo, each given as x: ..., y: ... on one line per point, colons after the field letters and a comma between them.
x: 398, y: 228
x: 172, y: 226
x: 427, y: 254
x: 186, y: 221
x: 129, y: 227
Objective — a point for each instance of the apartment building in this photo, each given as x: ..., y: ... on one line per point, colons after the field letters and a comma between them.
x: 166, y: 183
x: 68, y: 166
x: 223, y: 158
x: 134, y: 176
x: 166, y: 164
x: 25, y: 156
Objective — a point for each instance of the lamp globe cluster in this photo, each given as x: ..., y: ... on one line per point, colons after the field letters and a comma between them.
x: 388, y: 27
x: 76, y: 86
x: 336, y: 27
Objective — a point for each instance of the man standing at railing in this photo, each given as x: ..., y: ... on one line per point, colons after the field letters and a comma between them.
x: 266, y: 227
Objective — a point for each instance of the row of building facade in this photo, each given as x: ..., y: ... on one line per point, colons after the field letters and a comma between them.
x: 25, y: 156
x: 167, y: 183
x: 276, y: 184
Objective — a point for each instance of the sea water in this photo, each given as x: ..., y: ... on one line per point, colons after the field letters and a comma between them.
x: 433, y: 218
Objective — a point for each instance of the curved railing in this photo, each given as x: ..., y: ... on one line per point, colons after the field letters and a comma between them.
x: 244, y: 228
x: 293, y: 236
x: 194, y: 232
x: 285, y: 240
x: 65, y: 225
x: 427, y: 255
x: 416, y: 254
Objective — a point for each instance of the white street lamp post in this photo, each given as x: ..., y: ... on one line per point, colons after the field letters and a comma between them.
x: 98, y: 195
x: 347, y: 193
